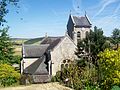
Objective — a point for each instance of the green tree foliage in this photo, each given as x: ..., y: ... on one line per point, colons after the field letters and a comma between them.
x: 109, y: 65
x: 94, y: 42
x: 72, y: 73
x: 6, y: 48
x: 81, y: 62
x: 16, y: 59
x: 116, y: 37
x: 8, y: 75
x: 4, y: 10
x: 96, y: 39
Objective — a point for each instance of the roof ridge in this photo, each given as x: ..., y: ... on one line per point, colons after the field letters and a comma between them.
x: 35, y: 45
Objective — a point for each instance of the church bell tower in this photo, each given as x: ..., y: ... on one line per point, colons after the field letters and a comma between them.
x: 78, y: 27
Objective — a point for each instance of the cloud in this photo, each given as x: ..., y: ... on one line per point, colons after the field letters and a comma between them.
x: 117, y: 9
x: 104, y: 4
x: 107, y: 23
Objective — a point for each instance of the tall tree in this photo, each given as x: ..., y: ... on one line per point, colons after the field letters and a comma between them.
x: 116, y: 37
x: 6, y: 48
x: 94, y: 42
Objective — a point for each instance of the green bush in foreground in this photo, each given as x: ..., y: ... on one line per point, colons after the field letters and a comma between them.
x: 8, y: 75
x: 77, y: 78
x: 109, y: 65
x: 116, y: 88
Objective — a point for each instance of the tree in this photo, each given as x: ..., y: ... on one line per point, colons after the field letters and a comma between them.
x: 8, y: 75
x: 95, y: 42
x: 4, y: 10
x: 81, y: 62
x: 109, y: 64
x: 6, y: 48
x: 116, y: 37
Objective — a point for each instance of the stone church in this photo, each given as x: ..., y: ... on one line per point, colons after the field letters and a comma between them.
x: 54, y: 53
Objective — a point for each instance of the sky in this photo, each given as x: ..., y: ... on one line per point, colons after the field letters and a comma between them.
x: 35, y: 18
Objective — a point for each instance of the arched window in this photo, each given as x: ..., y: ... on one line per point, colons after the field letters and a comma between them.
x: 78, y: 37
x: 78, y: 34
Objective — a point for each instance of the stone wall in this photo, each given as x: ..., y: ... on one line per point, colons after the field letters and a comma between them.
x: 64, y: 50
x: 82, y: 33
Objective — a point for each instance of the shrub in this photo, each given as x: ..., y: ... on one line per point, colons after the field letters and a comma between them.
x: 70, y: 76
x: 109, y: 65
x: 78, y: 77
x: 8, y: 75
x: 91, y: 88
x: 25, y: 79
x: 115, y: 88
x: 57, y: 77
x: 53, y: 79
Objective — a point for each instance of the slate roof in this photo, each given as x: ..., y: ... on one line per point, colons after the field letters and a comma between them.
x: 49, y: 40
x: 54, y: 43
x: 81, y: 21
x: 37, y: 68
x: 34, y: 51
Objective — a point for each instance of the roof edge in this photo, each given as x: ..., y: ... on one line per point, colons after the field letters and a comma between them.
x: 63, y: 39
x: 58, y: 43
x: 72, y: 19
x: 88, y: 19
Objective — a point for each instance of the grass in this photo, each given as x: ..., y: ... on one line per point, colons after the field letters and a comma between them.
x: 34, y: 41
x: 18, y: 50
x: 18, y: 44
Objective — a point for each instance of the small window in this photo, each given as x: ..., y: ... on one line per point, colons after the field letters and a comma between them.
x: 65, y: 64
x: 64, y: 61
x: 68, y: 61
x: 78, y: 34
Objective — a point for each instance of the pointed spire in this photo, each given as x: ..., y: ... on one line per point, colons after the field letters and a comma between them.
x: 87, y: 17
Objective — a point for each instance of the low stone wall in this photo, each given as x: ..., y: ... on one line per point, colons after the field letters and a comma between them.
x: 40, y: 78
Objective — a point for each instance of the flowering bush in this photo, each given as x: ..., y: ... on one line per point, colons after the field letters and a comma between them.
x: 109, y: 65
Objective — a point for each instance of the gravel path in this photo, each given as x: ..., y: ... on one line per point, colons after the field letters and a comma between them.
x: 47, y: 86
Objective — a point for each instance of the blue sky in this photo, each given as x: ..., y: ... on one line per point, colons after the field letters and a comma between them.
x: 37, y: 17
